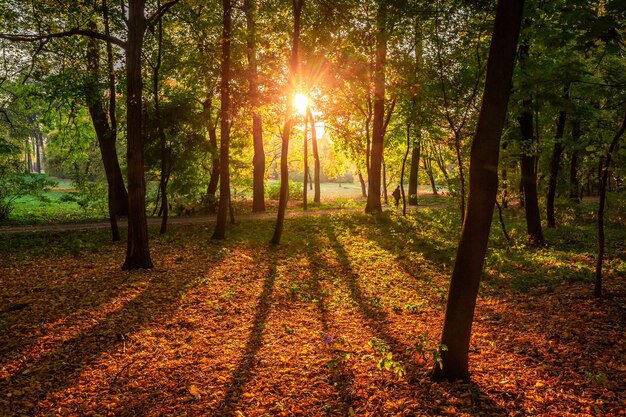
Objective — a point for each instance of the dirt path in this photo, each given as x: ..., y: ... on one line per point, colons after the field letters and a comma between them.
x: 154, y: 221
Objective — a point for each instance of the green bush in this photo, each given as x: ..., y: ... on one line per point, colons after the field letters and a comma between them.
x: 273, y: 190
x: 14, y: 185
x: 88, y: 195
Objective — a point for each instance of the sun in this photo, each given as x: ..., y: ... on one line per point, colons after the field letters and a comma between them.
x: 301, y: 102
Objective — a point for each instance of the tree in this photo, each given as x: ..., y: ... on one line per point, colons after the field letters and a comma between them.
x: 555, y: 162
x: 528, y: 161
x: 258, y: 186
x: 106, y: 127
x: 378, y: 132
x: 137, y: 252
x: 316, y: 156
x: 605, y: 164
x: 292, y: 85
x: 483, y: 185
x: 222, y: 210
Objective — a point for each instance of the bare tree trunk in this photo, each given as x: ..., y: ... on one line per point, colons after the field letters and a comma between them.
x: 413, y: 175
x: 428, y: 167
x: 505, y: 188
x: 406, y: 155
x: 106, y: 134
x: 470, y: 257
x: 138, y: 253
x: 215, y: 168
x: 316, y: 156
x: 597, y: 291
x: 376, y: 159
x: 362, y: 181
x: 161, y: 132
x: 459, y: 161
x: 574, y: 186
x: 528, y: 164
x: 306, y: 167
x: 385, y: 197
x: 37, y: 153
x: 555, y: 162
x: 284, y: 166
x: 258, y: 161
x: 224, y: 204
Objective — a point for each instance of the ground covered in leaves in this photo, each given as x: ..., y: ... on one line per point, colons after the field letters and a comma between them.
x: 341, y: 319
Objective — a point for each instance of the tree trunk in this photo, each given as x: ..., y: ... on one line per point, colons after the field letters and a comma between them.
x: 222, y: 210
x: 505, y: 191
x: 160, y: 131
x: 306, y: 167
x: 528, y: 164
x: 284, y: 164
x: 555, y: 162
x: 406, y: 155
x: 384, y: 182
x: 363, y: 186
x: 138, y: 253
x: 316, y: 156
x: 378, y: 134
x: 428, y: 167
x: 531, y: 204
x: 106, y: 135
x: 597, y: 291
x: 215, y: 168
x: 258, y: 161
x: 413, y: 174
x: 459, y: 161
x: 368, y: 146
x: 574, y: 186
x: 482, y: 195
x: 37, y: 153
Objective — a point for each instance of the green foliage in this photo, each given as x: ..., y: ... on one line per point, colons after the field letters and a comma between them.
x: 14, y: 185
x: 384, y: 358
x: 427, y: 348
x: 273, y: 190
x: 88, y: 195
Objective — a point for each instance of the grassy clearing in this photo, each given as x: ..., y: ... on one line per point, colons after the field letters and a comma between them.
x: 220, y: 328
x: 52, y: 209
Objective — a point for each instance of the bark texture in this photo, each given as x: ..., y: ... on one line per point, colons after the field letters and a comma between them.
x: 483, y: 186
x: 224, y: 203
x: 378, y: 132
x: 137, y: 253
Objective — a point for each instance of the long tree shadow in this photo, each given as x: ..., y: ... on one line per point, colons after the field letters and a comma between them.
x: 377, y: 319
x: 375, y: 316
x: 73, y: 285
x: 246, y: 368
x: 60, y: 368
x: 341, y: 375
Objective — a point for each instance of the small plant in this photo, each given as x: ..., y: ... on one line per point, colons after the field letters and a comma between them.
x: 339, y: 356
x: 384, y: 356
x: 414, y: 307
x: 425, y: 347
x: 599, y: 378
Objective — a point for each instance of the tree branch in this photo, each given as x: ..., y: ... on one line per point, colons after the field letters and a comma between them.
x: 84, y: 32
x: 151, y: 21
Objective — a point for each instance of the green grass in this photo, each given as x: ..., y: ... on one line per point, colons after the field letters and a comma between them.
x: 30, y: 210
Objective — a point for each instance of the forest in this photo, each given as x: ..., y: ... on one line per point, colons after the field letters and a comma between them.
x: 312, y: 207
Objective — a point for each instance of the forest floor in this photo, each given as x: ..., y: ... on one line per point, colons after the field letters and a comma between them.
x: 240, y: 328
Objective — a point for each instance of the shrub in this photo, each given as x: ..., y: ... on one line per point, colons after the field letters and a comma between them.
x: 14, y: 185
x: 273, y: 190
x: 89, y: 194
